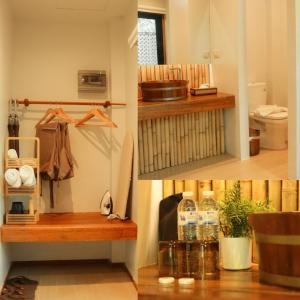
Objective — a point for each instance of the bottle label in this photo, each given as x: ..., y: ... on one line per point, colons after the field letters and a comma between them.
x: 209, y: 217
x: 187, y: 218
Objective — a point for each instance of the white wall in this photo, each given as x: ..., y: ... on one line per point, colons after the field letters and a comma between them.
x: 131, y: 125
x: 294, y: 87
x: 150, y: 193
x: 267, y: 47
x: 5, y: 94
x: 188, y: 31
x: 158, y: 6
x: 229, y: 67
x: 277, y: 59
x: 46, y: 60
x: 257, y: 40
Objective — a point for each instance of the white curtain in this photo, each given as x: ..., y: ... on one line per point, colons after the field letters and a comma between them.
x: 150, y: 193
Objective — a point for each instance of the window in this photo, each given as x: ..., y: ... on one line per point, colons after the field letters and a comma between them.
x: 150, y: 39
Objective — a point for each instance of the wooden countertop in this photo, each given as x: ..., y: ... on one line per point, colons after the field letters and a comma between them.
x: 232, y: 285
x: 152, y: 110
x: 70, y: 227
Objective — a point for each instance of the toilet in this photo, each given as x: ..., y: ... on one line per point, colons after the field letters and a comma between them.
x: 271, y: 120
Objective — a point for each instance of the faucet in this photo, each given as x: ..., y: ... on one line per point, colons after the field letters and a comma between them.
x: 178, y: 70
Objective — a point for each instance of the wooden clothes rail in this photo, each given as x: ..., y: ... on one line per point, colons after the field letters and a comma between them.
x: 105, y: 104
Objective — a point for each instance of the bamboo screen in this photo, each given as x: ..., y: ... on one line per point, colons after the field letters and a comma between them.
x: 283, y: 195
x: 196, y: 74
x: 176, y: 140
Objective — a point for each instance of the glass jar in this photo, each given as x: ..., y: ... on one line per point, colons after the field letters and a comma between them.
x: 166, y: 259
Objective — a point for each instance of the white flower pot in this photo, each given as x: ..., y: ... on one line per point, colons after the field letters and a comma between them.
x: 236, y: 253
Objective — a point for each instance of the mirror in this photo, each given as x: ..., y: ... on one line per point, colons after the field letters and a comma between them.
x: 174, y: 32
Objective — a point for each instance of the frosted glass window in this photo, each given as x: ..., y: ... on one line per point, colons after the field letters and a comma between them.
x: 150, y: 50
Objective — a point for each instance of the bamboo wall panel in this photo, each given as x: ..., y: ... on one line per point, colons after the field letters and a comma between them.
x: 230, y: 184
x: 246, y: 188
x: 168, y: 186
x: 283, y: 195
x: 176, y: 140
x: 179, y: 186
x: 191, y: 186
x: 219, y: 188
x: 196, y: 74
x: 275, y: 187
x: 289, y: 195
x: 259, y: 190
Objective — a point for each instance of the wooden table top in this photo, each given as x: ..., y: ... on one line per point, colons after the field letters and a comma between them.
x: 89, y: 226
x: 231, y: 285
x: 152, y: 110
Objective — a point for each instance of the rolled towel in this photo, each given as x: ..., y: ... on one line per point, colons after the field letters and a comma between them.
x: 13, y: 178
x: 12, y: 154
x: 27, y: 175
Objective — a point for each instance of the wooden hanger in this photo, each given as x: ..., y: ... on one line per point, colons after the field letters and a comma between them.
x: 53, y: 113
x: 105, y: 121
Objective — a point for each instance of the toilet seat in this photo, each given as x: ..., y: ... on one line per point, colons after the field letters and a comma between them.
x: 275, y: 116
x: 270, y: 112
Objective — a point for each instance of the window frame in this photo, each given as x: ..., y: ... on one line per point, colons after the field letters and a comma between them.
x: 160, y: 33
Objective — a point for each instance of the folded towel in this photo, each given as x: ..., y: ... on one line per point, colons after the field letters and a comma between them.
x: 27, y: 175
x: 266, y: 110
x: 12, y: 154
x: 13, y: 178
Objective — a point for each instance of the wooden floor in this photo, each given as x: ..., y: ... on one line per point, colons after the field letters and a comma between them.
x: 86, y: 281
x: 267, y: 165
x: 71, y: 227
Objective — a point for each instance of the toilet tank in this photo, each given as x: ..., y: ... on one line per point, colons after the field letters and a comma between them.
x: 257, y: 95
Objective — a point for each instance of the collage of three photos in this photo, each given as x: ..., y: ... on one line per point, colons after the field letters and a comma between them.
x: 149, y: 149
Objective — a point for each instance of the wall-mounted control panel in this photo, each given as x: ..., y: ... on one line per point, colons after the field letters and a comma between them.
x: 91, y: 81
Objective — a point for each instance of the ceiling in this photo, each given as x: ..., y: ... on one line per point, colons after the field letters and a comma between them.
x: 89, y: 11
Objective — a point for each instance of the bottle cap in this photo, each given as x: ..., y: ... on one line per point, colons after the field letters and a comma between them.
x: 186, y: 281
x: 166, y: 280
x: 187, y: 194
x: 208, y: 193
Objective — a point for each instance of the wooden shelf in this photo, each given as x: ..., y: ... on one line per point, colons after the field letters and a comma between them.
x: 152, y: 110
x: 70, y: 227
x: 17, y: 163
x: 23, y: 190
x: 242, y: 285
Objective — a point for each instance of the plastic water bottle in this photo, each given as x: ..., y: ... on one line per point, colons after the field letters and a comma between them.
x: 208, y: 218
x: 187, y: 218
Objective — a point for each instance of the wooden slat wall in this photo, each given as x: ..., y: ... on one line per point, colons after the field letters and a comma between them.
x: 283, y: 195
x: 176, y: 140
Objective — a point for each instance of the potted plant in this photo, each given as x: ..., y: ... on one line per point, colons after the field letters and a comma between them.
x: 236, y: 244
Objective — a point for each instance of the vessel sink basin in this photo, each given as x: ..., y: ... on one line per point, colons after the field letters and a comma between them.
x: 164, y: 90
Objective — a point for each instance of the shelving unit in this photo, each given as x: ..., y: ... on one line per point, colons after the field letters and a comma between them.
x: 56, y: 227
x: 32, y: 216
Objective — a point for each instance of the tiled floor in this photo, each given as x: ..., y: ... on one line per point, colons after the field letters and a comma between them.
x: 84, y: 281
x: 267, y: 165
